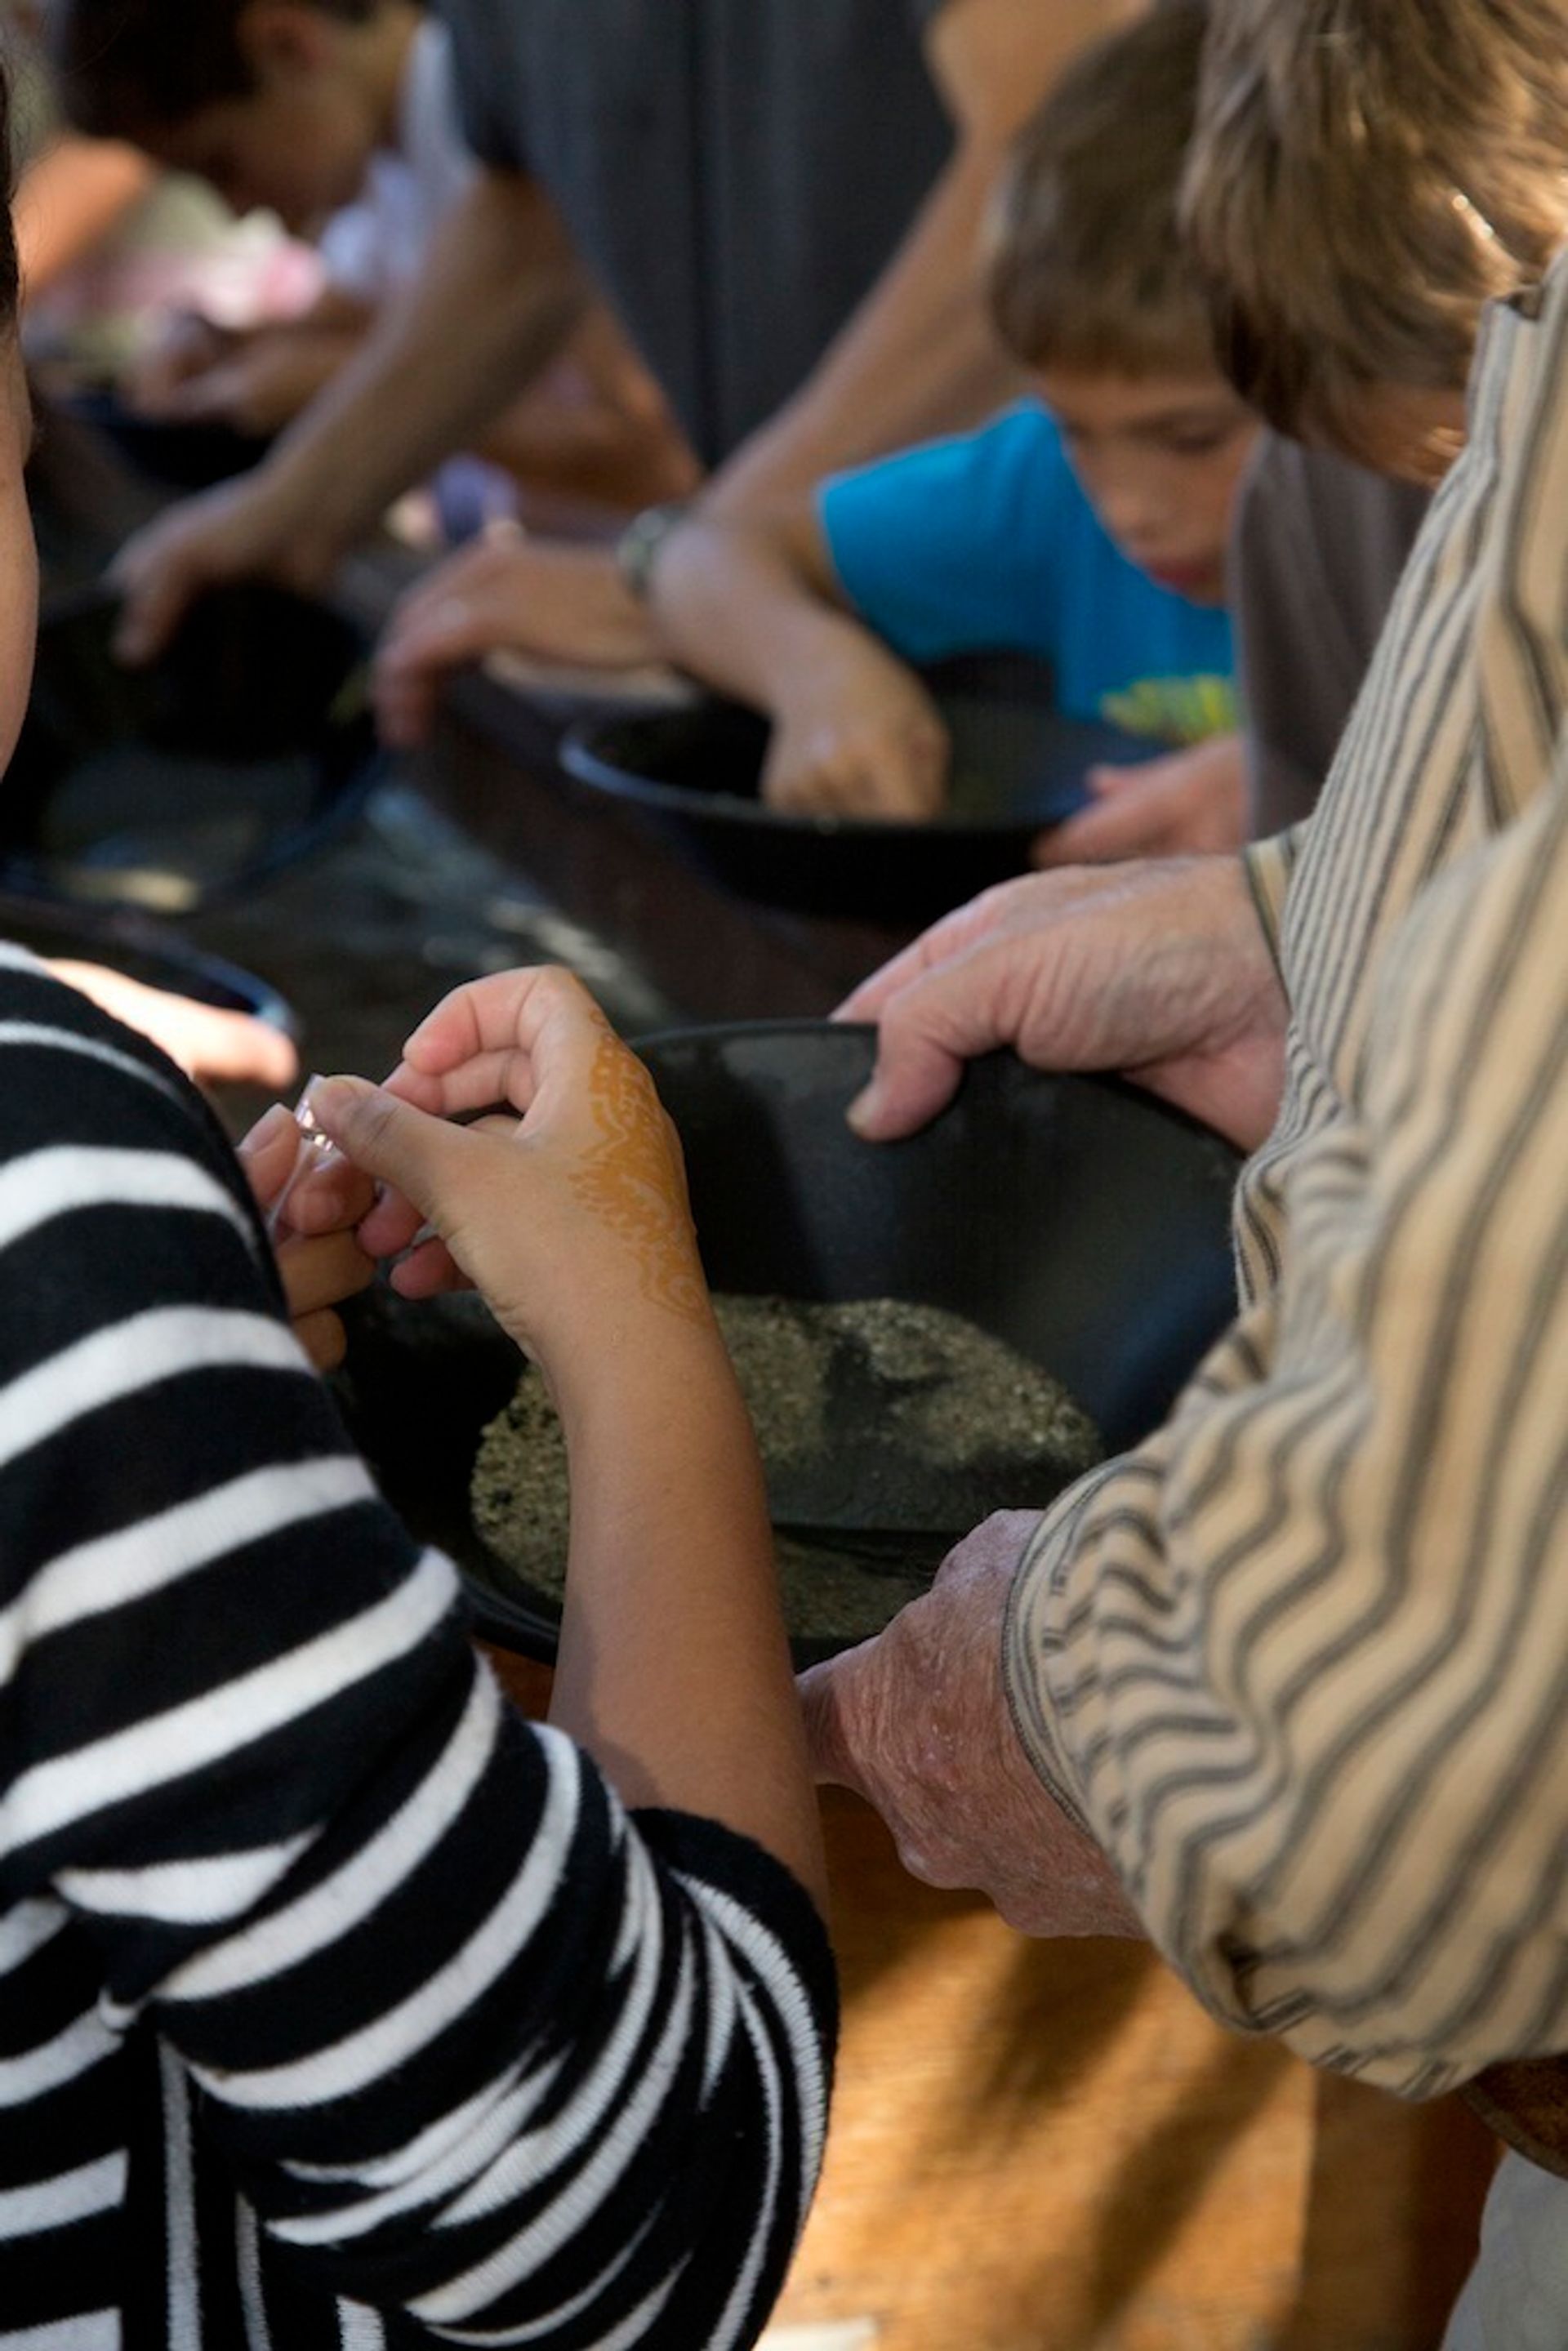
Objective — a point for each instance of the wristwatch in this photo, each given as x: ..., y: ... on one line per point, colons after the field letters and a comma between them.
x: 637, y: 548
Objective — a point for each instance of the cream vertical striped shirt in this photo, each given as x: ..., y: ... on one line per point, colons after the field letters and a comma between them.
x: 1300, y: 1661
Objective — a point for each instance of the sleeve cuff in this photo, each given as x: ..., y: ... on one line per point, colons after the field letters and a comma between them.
x: 1269, y: 866
x: 734, y: 1864
x: 1029, y: 1639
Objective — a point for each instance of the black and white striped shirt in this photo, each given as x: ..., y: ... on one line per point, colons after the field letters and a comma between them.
x: 1300, y: 1661
x: 329, y: 1987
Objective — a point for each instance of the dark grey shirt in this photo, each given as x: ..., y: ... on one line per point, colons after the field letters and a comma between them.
x: 1319, y: 548
x: 737, y: 172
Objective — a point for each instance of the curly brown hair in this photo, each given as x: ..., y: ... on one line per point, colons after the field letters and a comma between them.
x: 1364, y: 176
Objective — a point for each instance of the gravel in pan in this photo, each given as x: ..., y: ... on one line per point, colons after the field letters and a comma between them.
x: 886, y: 1430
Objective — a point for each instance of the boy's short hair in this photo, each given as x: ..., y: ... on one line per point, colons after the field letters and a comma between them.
x: 1362, y: 179
x: 1087, y: 267
x: 129, y: 68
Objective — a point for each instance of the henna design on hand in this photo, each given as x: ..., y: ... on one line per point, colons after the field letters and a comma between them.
x: 627, y: 1180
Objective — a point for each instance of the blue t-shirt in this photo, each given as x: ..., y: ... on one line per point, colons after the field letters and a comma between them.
x: 986, y: 543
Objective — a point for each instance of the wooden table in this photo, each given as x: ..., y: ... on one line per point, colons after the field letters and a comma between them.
x: 1043, y: 2146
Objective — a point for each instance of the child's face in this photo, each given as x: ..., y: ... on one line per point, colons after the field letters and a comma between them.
x: 1160, y: 458
x: 19, y: 556
x: 299, y: 145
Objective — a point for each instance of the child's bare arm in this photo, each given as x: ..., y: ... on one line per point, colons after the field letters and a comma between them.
x: 735, y: 601
x: 572, y: 1220
x: 754, y: 610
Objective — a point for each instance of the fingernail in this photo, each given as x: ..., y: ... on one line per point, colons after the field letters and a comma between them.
x: 862, y: 1113
x: 268, y: 1127
x: 332, y: 1098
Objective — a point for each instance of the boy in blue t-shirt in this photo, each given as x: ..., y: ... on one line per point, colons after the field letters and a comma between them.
x: 1087, y: 526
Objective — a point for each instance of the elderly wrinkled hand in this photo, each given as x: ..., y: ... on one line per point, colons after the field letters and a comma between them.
x: 1158, y: 969
x: 916, y: 1722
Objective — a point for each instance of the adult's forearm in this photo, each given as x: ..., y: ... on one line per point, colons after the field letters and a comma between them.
x: 919, y: 357
x: 499, y: 288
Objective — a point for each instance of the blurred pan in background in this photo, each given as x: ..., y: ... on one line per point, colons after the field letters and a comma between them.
x: 692, y: 774
x: 248, y: 745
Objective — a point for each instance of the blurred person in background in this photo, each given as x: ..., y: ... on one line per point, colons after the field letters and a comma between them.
x: 781, y: 201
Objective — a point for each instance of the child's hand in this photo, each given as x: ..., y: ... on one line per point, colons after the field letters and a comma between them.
x: 320, y: 1260
x: 568, y: 1213
x: 263, y: 381
x: 508, y: 594
x: 211, y: 1045
x: 188, y: 346
x: 863, y: 740
x: 1191, y: 803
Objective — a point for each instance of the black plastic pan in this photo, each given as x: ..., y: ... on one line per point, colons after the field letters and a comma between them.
x: 178, y: 457
x: 144, y: 950
x: 172, y: 787
x: 692, y: 774
x: 1075, y: 1218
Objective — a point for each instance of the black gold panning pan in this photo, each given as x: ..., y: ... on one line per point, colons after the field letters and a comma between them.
x: 143, y: 950
x: 1077, y: 1218
x: 692, y: 774
x: 248, y: 744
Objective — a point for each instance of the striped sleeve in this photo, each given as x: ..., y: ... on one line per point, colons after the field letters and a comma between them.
x: 1300, y: 1661
x: 477, y: 2047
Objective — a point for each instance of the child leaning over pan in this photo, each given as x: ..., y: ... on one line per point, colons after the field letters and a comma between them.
x: 1087, y: 526
x: 342, y: 117
x: 340, y: 2004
